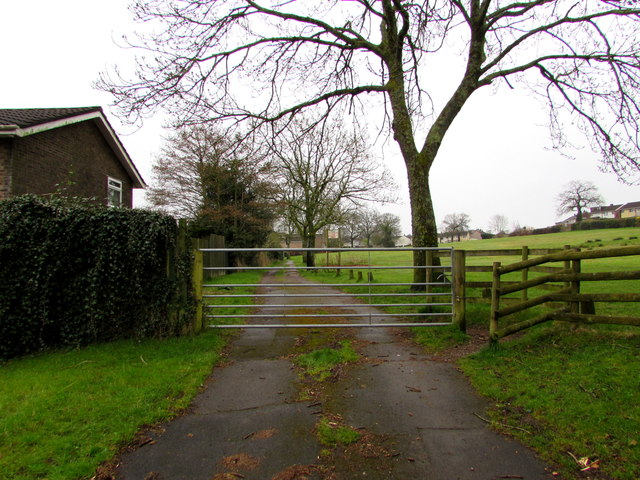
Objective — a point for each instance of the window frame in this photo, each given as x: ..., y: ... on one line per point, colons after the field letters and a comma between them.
x: 116, y: 187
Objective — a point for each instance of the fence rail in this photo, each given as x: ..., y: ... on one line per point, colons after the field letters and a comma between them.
x: 577, y: 306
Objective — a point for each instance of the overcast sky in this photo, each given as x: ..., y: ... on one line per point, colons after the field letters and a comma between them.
x: 495, y: 159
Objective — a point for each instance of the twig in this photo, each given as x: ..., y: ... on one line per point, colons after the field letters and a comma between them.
x: 81, y: 363
x: 143, y: 360
x: 501, y: 424
x: 593, y: 394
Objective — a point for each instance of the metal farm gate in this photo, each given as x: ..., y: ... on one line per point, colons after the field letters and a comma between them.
x: 345, y: 288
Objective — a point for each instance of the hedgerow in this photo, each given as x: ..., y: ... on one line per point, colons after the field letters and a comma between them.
x: 598, y: 223
x: 73, y: 274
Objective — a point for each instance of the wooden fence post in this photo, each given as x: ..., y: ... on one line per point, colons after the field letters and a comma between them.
x: 198, y: 278
x: 525, y: 273
x: 495, y: 302
x: 574, y: 306
x: 567, y: 265
x: 459, y: 303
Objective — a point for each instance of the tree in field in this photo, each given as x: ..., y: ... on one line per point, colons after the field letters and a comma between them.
x: 324, y: 171
x: 498, y: 224
x: 222, y: 185
x: 350, y: 227
x: 264, y: 60
x: 576, y: 197
x: 456, y: 224
x: 368, y: 225
x: 387, y: 230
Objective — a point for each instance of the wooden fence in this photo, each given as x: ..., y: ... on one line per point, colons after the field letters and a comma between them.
x: 525, y: 253
x: 576, y: 306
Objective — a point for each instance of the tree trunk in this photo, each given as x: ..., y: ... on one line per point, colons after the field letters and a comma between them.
x: 310, y: 242
x: 423, y: 221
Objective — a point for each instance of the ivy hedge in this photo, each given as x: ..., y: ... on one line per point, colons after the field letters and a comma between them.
x: 73, y: 274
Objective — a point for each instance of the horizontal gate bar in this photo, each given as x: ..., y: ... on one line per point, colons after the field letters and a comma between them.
x: 337, y: 305
x: 340, y: 267
x: 255, y: 285
x: 334, y: 325
x: 332, y: 295
x: 330, y: 315
x: 328, y: 249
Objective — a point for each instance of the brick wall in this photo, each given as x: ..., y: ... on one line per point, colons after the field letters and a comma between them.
x: 5, y: 167
x: 75, y: 157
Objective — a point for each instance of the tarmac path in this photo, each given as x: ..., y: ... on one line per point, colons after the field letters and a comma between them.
x: 418, y: 418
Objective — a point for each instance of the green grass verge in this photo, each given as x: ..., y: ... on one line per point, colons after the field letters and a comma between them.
x: 319, y: 363
x: 330, y: 433
x: 566, y: 392
x: 64, y: 413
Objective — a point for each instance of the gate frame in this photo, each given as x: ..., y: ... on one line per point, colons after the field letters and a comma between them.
x: 456, y: 284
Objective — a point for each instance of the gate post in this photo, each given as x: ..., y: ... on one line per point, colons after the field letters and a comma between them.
x: 459, y: 293
x: 198, y: 279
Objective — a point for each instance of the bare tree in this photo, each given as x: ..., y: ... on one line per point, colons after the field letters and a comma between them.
x: 498, y: 224
x: 267, y: 60
x: 350, y: 227
x: 325, y: 171
x: 576, y: 197
x: 368, y: 225
x: 456, y: 224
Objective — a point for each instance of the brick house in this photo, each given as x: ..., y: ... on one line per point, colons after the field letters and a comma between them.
x: 628, y: 210
x: 47, y: 150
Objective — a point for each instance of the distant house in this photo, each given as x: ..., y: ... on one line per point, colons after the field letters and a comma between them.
x: 631, y: 209
x: 447, y: 237
x: 75, y: 150
x: 604, y: 211
x: 295, y: 241
x: 402, y: 241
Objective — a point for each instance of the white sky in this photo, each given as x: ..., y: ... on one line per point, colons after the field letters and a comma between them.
x: 494, y: 160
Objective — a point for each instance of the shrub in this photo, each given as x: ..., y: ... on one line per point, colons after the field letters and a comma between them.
x: 73, y: 274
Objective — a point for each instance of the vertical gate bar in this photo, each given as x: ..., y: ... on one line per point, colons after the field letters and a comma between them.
x: 369, y: 281
x: 458, y: 290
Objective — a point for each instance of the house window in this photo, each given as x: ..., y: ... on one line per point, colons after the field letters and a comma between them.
x: 114, y: 192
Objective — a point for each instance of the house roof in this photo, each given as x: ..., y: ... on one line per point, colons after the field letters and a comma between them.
x: 22, y: 122
x: 604, y: 208
x: 629, y: 205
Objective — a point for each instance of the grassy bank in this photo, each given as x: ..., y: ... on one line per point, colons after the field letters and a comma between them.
x: 570, y: 394
x: 63, y: 413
